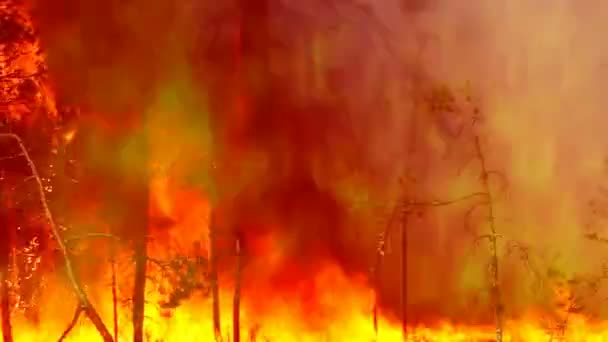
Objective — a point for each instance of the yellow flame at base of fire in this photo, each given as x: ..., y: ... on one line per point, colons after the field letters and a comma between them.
x: 185, y: 327
x: 346, y: 317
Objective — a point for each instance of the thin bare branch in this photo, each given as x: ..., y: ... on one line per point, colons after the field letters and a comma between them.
x: 441, y: 203
x: 406, y: 204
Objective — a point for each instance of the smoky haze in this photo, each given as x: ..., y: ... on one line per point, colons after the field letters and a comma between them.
x: 538, y: 70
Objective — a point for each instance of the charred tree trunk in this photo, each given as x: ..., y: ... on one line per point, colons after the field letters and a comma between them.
x: 213, y: 278
x: 114, y: 291
x: 139, y: 291
x: 140, y: 246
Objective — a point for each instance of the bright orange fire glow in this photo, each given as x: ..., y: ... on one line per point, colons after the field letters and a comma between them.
x: 437, y: 166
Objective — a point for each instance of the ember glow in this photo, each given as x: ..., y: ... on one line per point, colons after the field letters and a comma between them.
x: 334, y: 170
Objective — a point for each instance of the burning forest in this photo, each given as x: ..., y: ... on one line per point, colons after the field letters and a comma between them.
x: 327, y: 170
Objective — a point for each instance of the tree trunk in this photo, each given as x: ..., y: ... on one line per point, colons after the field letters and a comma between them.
x: 140, y: 246
x: 213, y: 279
x: 114, y: 291
x: 138, y: 221
x: 139, y: 290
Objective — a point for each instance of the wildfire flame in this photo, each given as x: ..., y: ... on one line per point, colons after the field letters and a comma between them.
x: 472, y: 132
